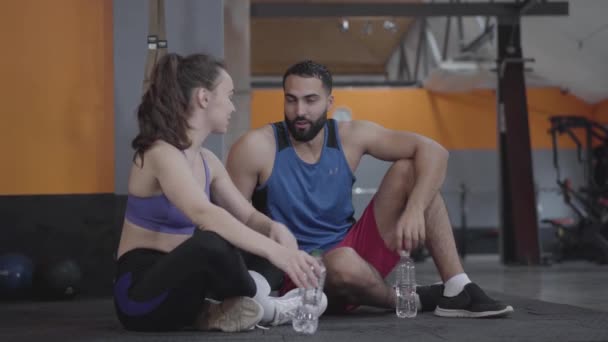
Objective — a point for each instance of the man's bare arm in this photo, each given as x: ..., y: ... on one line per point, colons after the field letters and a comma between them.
x: 430, y: 158
x: 246, y: 160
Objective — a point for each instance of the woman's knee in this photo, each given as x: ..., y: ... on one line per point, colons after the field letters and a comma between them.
x: 228, y: 264
x: 209, y: 238
x: 213, y: 246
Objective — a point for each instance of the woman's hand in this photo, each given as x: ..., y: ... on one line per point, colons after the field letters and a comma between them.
x: 303, y: 269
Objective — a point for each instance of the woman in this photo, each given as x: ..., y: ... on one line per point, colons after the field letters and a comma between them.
x: 185, y: 219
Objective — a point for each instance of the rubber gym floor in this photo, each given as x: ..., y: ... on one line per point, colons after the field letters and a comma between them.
x: 561, y: 302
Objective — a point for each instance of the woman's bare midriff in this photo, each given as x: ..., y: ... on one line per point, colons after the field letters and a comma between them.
x: 133, y: 237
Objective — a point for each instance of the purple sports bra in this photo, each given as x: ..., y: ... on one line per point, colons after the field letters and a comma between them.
x: 158, y: 214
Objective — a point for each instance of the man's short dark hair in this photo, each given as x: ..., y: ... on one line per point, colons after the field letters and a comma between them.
x: 310, y: 68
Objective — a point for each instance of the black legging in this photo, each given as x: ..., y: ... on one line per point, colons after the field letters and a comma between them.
x: 157, y: 291
x: 273, y: 274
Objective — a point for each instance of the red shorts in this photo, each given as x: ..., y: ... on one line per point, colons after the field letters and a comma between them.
x: 365, y: 239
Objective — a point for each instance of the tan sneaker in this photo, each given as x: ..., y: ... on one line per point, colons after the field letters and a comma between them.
x: 232, y: 315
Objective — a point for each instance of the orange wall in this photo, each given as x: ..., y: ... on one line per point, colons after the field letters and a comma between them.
x: 600, y: 111
x: 457, y: 121
x: 57, y: 97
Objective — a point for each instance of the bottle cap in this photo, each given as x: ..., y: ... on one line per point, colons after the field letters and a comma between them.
x: 317, y: 253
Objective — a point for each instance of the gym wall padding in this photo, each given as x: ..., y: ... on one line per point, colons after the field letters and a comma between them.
x: 57, y: 103
x: 84, y: 228
x: 459, y: 121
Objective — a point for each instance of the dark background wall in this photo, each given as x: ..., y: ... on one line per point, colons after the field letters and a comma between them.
x: 84, y: 228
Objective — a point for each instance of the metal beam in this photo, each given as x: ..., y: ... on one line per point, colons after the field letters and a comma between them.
x: 338, y: 84
x: 421, y: 45
x: 493, y: 9
x: 519, y: 221
x: 488, y: 18
x: 446, y: 38
x: 460, y: 32
x: 404, y: 67
x: 480, y: 40
x: 528, y: 5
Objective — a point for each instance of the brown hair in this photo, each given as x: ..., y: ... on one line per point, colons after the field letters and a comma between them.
x: 163, y: 111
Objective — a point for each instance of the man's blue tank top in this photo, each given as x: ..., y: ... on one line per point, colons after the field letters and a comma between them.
x: 313, y: 200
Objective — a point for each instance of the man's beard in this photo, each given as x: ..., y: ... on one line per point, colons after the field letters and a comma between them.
x: 311, y: 132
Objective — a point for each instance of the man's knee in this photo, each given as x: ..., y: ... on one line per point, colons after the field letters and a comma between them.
x: 344, y: 268
x: 404, y: 172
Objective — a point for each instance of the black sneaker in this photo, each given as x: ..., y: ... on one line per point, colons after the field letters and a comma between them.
x: 471, y: 302
x: 429, y: 296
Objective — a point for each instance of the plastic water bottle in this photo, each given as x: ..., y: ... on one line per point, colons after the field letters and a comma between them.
x: 405, y: 287
x: 306, y: 319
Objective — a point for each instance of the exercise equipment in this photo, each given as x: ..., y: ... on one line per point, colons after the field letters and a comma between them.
x: 157, y: 38
x: 16, y: 272
x: 60, y: 279
x: 587, y: 236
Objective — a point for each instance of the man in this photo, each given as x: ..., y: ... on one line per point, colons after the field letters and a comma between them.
x: 300, y: 172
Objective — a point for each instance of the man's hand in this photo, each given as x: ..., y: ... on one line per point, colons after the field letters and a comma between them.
x: 282, y: 235
x: 410, y: 231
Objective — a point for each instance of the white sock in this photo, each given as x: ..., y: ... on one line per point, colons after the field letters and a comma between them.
x: 455, y: 285
x: 262, y: 296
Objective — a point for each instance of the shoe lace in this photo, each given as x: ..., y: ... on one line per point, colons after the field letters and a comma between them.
x: 285, y: 310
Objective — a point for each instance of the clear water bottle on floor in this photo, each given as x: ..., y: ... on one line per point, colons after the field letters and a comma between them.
x: 405, y: 287
x: 306, y: 319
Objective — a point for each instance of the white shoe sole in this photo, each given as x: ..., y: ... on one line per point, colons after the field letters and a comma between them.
x: 287, y: 317
x: 470, y: 314
x: 232, y: 315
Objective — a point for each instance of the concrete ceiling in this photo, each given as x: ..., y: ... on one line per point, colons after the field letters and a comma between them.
x: 363, y: 49
x: 570, y: 52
